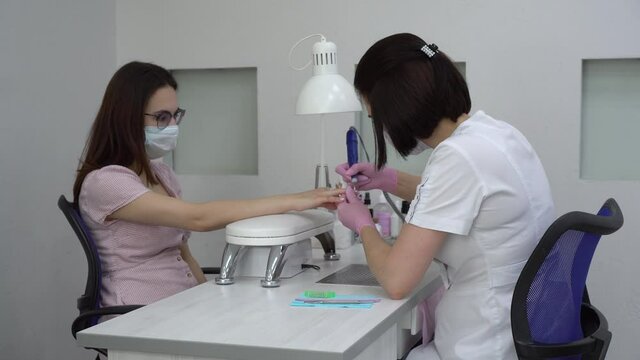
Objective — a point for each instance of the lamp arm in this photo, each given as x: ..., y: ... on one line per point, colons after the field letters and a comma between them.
x: 322, y: 38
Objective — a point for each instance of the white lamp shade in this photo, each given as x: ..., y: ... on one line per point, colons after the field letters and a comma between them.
x: 327, y: 93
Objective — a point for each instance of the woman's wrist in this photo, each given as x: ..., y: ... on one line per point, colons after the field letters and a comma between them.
x: 363, y: 228
x: 390, y: 180
x: 288, y: 202
x: 365, y: 224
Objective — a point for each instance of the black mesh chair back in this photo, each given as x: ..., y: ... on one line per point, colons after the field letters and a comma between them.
x: 551, y: 316
x: 89, y: 302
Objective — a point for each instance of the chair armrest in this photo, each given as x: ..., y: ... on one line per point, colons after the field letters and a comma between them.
x: 595, y: 343
x: 211, y: 270
x: 108, y: 310
x: 543, y: 351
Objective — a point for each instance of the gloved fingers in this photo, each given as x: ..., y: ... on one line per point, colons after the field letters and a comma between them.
x: 363, y: 179
x: 342, y: 169
x: 350, y: 195
x: 358, y: 168
x: 341, y: 206
x: 353, y: 213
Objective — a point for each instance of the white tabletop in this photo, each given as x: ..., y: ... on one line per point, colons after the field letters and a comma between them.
x: 247, y: 321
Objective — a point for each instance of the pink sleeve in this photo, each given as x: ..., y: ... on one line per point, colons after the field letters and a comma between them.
x: 172, y: 182
x: 107, y: 190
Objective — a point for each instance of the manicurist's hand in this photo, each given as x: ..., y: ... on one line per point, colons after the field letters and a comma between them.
x: 327, y: 198
x: 353, y: 213
x: 369, y: 177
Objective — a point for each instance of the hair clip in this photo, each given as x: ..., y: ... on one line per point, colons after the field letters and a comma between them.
x: 430, y: 50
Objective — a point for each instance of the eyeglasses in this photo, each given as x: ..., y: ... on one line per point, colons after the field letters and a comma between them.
x: 163, y: 117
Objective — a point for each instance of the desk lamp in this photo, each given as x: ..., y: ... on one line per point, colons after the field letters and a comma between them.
x: 324, y: 93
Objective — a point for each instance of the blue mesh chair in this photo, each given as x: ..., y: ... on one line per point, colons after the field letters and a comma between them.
x: 89, y: 302
x: 551, y: 315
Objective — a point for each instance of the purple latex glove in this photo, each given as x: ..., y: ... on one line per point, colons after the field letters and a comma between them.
x: 369, y: 177
x: 353, y: 213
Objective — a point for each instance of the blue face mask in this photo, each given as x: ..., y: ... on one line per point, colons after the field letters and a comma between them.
x: 159, y: 142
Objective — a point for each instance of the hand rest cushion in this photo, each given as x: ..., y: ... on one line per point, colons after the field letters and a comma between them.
x: 280, y: 229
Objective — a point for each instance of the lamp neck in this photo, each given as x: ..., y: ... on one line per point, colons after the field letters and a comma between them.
x: 324, y: 58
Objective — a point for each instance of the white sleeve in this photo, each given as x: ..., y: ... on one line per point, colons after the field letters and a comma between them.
x: 449, y: 196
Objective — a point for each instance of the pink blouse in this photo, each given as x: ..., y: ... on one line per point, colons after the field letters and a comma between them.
x: 140, y: 263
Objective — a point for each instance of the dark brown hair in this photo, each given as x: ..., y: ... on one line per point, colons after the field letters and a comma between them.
x: 117, y: 135
x: 409, y: 92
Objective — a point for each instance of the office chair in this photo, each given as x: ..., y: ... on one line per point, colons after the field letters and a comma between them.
x: 89, y: 302
x: 551, y: 315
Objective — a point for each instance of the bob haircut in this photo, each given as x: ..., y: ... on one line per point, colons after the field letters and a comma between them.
x: 117, y: 135
x: 408, y: 92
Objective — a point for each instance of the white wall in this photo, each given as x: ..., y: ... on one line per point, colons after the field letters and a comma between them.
x: 523, y: 65
x: 221, y: 34
x: 55, y: 61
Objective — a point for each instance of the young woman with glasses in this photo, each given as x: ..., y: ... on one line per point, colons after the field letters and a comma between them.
x: 131, y: 201
x: 480, y: 207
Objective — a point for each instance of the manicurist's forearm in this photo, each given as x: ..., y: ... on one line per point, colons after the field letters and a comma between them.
x: 377, y: 252
x: 397, y: 268
x: 407, y: 184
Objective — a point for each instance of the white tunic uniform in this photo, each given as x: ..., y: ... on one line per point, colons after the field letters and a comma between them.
x: 484, y: 186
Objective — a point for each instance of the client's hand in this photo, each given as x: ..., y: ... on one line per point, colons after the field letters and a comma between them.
x: 353, y: 213
x: 327, y: 198
x: 369, y: 177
